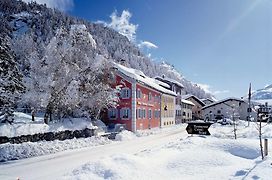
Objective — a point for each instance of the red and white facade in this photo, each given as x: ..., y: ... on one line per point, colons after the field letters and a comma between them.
x: 139, y: 106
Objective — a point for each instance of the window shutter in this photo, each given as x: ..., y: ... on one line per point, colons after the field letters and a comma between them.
x: 129, y: 113
x: 129, y: 93
x: 121, y: 113
x: 122, y: 93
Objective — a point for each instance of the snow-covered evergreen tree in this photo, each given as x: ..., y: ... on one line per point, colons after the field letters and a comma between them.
x: 10, y: 81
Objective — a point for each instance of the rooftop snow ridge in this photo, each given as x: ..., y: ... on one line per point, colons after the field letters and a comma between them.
x: 170, y: 80
x: 162, y: 83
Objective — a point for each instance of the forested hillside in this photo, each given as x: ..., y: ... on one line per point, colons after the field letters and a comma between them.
x: 60, y: 60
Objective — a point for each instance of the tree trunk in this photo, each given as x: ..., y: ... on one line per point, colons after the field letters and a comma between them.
x: 47, y: 115
x: 46, y: 118
x: 260, y: 138
x: 50, y: 116
x: 33, y: 115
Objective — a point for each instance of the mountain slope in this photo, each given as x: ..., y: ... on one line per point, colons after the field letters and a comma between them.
x: 263, y: 94
x: 33, y: 26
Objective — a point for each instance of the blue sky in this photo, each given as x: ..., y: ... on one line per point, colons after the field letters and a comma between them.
x: 222, y: 44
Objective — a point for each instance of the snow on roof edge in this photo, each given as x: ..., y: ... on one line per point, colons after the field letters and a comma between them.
x: 187, y: 102
x: 190, y: 95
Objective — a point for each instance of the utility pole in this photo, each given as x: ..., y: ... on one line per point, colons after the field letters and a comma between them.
x: 249, y: 105
x: 234, y: 121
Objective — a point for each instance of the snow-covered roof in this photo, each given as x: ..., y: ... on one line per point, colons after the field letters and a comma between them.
x: 187, y: 102
x: 162, y: 83
x: 222, y: 101
x: 207, y: 99
x: 141, y: 77
x: 170, y: 80
x: 196, y: 98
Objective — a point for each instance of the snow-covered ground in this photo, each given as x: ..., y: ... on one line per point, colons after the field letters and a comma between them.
x: 187, y: 158
x: 218, y: 156
x: 168, y: 153
x: 23, y: 125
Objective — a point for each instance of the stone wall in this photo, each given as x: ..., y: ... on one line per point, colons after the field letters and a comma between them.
x: 49, y: 136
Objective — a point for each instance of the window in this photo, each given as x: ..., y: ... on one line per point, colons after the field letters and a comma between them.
x: 218, y: 111
x: 144, y: 113
x: 125, y: 93
x: 156, y: 114
x: 149, y: 114
x: 125, y: 113
x: 184, y: 113
x: 139, y: 93
x: 149, y: 96
x: 139, y: 111
x: 112, y: 113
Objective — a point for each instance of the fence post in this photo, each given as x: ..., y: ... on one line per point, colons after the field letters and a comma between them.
x: 265, y: 147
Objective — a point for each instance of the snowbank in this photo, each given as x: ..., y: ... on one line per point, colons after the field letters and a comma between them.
x: 30, y: 149
x: 23, y: 125
x: 243, y: 131
x: 154, y: 131
x: 125, y: 135
x: 128, y: 135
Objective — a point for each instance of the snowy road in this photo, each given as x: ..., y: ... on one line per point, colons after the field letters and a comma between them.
x: 55, y: 165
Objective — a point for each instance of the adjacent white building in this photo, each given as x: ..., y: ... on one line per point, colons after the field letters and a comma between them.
x: 186, y: 110
x: 227, y: 108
